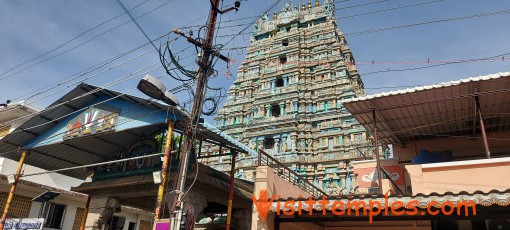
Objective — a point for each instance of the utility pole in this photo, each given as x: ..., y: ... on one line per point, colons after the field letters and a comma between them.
x: 205, y: 68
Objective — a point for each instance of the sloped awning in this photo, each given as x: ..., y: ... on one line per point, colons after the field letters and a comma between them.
x: 494, y: 197
x: 56, y: 153
x: 446, y: 109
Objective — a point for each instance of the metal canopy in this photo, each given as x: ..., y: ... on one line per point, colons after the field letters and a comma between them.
x: 46, y: 196
x: 441, y: 110
x: 94, y: 148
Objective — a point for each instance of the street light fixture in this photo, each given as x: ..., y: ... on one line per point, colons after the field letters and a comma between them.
x: 152, y: 87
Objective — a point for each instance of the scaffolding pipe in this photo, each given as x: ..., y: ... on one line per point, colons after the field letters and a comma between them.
x: 231, y: 191
x: 377, y: 158
x: 482, y: 127
x: 164, y: 170
x: 13, y: 189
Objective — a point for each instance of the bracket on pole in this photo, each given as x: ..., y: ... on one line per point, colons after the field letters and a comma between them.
x: 237, y: 4
x: 198, y: 44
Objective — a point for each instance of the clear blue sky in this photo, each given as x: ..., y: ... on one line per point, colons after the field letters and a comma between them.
x: 31, y: 28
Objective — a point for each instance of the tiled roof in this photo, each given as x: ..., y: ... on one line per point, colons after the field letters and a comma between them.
x: 494, y: 197
x: 427, y: 87
x: 48, y: 188
x: 436, y: 110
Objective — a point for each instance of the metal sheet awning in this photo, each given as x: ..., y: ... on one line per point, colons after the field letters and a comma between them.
x: 442, y: 110
x: 98, y: 147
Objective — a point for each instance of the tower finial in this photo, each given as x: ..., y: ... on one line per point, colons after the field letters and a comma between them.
x: 303, y: 7
x: 309, y: 5
x: 275, y: 16
x: 316, y: 3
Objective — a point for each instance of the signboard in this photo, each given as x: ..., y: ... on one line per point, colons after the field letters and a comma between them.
x: 367, y: 176
x: 163, y: 224
x: 91, y: 121
x: 24, y: 223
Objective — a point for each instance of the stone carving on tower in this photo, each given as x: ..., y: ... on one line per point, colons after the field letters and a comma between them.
x: 286, y: 99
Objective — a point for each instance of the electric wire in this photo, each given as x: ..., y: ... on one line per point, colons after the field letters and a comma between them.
x: 118, y: 81
x: 176, y: 89
x: 136, y: 23
x: 436, y: 65
x: 70, y: 40
x: 364, y: 4
x: 81, y: 44
x: 84, y: 72
x: 389, y: 9
x: 346, y: 16
x: 429, y: 22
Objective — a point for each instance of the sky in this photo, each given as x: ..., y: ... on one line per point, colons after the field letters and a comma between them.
x: 49, y: 46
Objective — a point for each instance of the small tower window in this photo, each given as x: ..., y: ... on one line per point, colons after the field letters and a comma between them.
x: 283, y: 59
x: 279, y: 82
x: 275, y: 110
x: 268, y: 143
x: 285, y: 42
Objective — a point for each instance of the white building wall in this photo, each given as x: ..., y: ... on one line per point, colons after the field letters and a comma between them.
x: 71, y: 203
x: 134, y: 215
x: 70, y: 212
x: 56, y: 180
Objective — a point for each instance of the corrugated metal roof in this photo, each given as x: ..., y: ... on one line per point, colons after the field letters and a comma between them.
x: 446, y: 109
x: 427, y: 87
x: 94, y: 148
x: 494, y: 197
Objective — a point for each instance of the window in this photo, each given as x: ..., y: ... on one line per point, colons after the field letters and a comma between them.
x: 131, y: 226
x: 285, y: 42
x: 115, y: 223
x: 283, y: 59
x: 54, y: 215
x: 269, y: 143
x: 275, y: 110
x: 279, y: 82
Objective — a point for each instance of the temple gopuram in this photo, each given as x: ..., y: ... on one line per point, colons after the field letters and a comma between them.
x: 287, y: 97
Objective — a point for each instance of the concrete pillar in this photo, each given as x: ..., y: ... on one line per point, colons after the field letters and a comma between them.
x: 261, y: 183
x: 241, y: 219
x: 276, y: 143
x: 343, y: 182
x: 268, y: 110
x: 101, y: 209
x: 197, y: 200
x: 285, y: 81
x: 282, y: 108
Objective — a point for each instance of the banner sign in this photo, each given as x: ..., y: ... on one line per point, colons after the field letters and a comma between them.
x: 24, y: 223
x: 91, y: 121
x: 163, y: 224
x: 367, y: 176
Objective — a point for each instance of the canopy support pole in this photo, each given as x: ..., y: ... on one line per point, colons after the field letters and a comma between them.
x: 377, y: 157
x: 482, y: 127
x: 164, y: 170
x: 85, y: 213
x: 13, y: 189
x: 231, y: 190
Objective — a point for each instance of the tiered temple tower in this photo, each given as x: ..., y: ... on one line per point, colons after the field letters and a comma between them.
x: 287, y: 98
